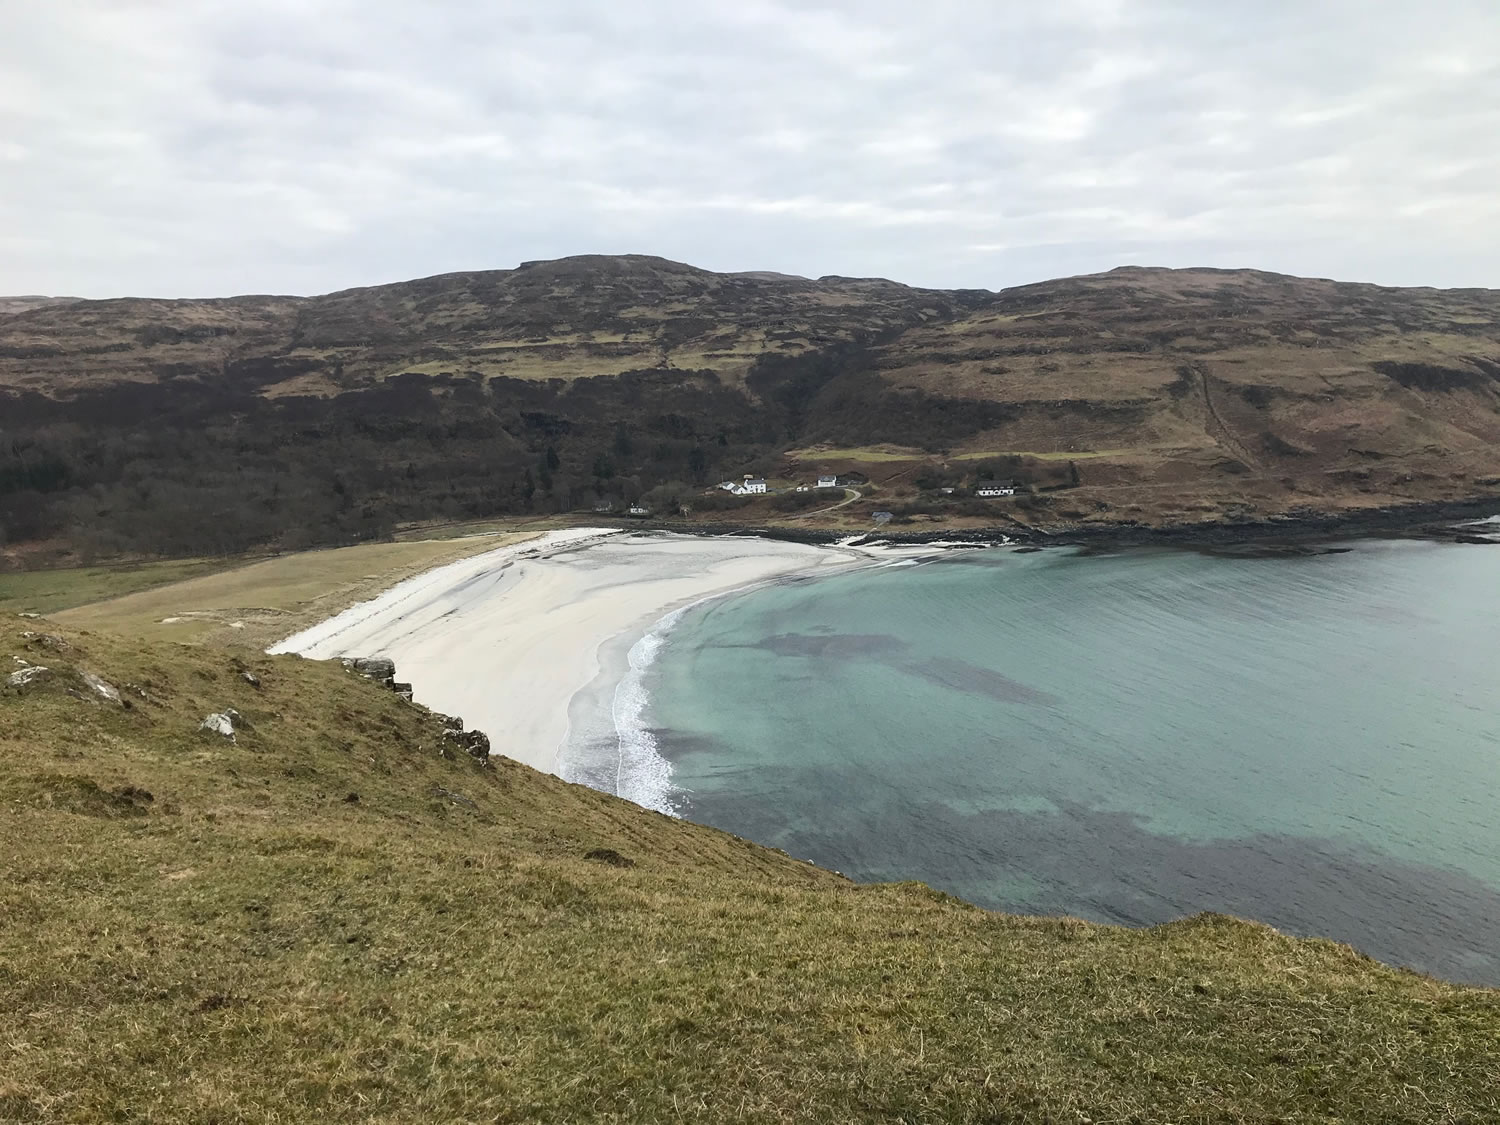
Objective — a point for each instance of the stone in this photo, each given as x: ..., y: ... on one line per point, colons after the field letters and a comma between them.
x: 101, y: 687
x: 219, y: 723
x: 28, y: 675
x: 403, y: 690
x: 250, y: 678
x: 380, y: 668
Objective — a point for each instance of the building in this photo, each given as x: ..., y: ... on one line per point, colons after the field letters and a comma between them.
x: 882, y: 517
x: 637, y: 510
x: 753, y: 486
x: 996, y: 488
x: 828, y: 482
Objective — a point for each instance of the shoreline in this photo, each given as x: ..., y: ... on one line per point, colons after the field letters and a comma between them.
x: 1422, y: 520
x: 518, y: 641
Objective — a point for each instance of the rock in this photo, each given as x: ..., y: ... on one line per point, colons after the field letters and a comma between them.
x: 379, y: 668
x: 29, y: 616
x: 403, y: 690
x: 250, y: 678
x: 101, y: 687
x: 46, y: 640
x: 474, y: 742
x: 219, y: 723
x: 28, y: 675
x: 452, y: 722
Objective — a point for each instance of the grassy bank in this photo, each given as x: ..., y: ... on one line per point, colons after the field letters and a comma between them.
x: 327, y: 919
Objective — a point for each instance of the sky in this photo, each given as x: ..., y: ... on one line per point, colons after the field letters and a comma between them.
x: 210, y: 147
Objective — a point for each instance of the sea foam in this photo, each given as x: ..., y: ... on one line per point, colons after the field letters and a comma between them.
x: 642, y: 774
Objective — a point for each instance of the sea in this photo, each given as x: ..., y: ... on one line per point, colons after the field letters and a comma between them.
x: 1312, y: 742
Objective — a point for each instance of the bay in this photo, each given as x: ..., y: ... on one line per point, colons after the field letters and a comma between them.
x: 1312, y: 742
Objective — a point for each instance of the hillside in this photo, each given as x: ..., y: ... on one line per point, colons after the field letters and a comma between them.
x: 1139, y: 396
x: 329, y: 918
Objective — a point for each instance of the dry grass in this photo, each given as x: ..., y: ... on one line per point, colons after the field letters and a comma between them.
x: 213, y: 931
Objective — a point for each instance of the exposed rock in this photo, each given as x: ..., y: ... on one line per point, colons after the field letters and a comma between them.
x: 220, y: 722
x: 474, y: 742
x: 250, y: 678
x: 29, y: 616
x: 46, y: 640
x: 381, y: 669
x: 101, y: 687
x: 452, y: 722
x: 403, y: 690
x: 28, y: 675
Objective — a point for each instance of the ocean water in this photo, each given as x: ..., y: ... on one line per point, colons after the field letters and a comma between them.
x: 1312, y: 742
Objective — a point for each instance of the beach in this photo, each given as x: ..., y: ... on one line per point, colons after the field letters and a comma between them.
x: 506, y: 640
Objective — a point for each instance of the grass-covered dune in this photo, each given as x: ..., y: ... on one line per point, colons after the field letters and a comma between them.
x: 327, y: 919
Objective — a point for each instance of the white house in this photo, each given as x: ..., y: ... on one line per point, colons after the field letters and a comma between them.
x: 728, y: 485
x: 753, y: 486
x: 828, y: 482
x: 637, y: 510
x: 998, y: 488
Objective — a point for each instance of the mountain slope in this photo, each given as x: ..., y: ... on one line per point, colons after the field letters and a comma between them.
x: 328, y: 919
x: 1137, y: 396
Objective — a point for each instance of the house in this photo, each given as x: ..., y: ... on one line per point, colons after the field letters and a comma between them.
x: 947, y: 490
x: 750, y: 486
x: 996, y: 488
x: 882, y: 517
x: 828, y: 482
x: 637, y: 510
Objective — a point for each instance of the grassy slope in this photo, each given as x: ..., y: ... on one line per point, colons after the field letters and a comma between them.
x: 248, y: 944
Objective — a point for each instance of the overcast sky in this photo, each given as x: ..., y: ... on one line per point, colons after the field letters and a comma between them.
x: 208, y: 147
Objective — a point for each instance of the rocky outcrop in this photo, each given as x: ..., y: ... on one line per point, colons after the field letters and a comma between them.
x: 222, y: 723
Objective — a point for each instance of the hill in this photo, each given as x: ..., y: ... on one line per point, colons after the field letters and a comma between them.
x: 339, y: 915
x: 1139, y: 396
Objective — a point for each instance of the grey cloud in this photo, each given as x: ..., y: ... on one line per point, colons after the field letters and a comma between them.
x: 194, y: 147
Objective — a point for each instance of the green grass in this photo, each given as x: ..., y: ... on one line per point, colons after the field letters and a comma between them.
x: 46, y: 591
x: 199, y: 930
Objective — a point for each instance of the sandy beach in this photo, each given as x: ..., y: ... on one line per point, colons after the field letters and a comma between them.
x: 507, y: 639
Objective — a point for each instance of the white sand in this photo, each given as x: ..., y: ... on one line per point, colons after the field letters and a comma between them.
x: 506, y: 639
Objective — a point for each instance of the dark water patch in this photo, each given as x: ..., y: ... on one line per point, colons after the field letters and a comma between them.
x: 674, y: 745
x: 834, y: 645
x: 1106, y: 867
x: 960, y: 675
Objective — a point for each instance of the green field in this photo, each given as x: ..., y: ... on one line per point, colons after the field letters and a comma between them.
x: 329, y: 920
x: 46, y: 591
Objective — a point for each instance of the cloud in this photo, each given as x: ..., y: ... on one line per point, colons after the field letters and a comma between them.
x: 176, y: 147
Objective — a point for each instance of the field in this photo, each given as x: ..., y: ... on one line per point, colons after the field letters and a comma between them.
x: 47, y: 591
x: 259, y: 602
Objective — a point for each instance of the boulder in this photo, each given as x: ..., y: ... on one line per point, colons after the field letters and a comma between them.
x: 27, y: 675
x: 474, y: 742
x: 101, y: 687
x: 382, y: 669
x: 219, y: 722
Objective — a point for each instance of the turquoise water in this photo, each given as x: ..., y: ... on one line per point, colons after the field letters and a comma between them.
x: 1312, y: 742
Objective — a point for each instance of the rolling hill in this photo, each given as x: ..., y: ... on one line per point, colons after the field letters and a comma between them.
x: 1138, y: 396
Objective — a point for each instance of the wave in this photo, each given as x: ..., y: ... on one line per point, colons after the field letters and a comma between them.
x: 642, y: 774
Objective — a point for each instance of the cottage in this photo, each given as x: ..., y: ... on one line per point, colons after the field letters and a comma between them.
x: 997, y: 488
x: 753, y: 486
x: 828, y: 482
x: 728, y: 485
x: 637, y: 510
